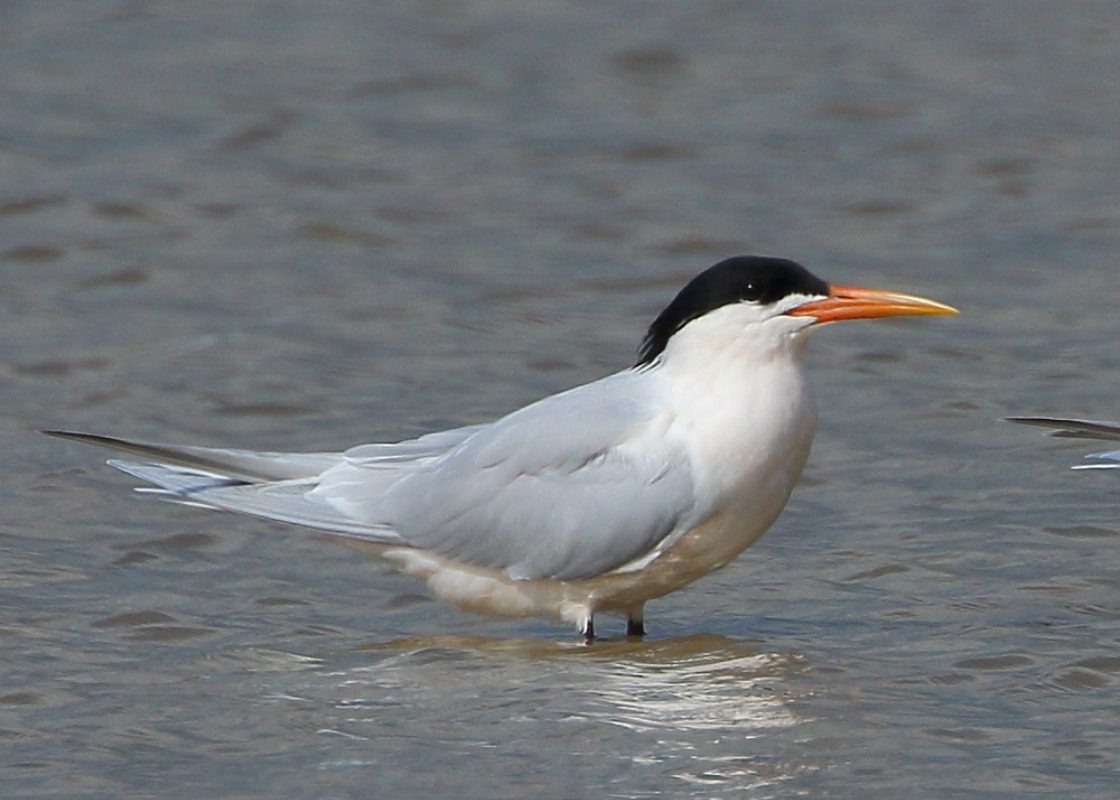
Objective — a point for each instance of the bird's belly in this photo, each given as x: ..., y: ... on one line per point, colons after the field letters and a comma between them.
x: 705, y: 548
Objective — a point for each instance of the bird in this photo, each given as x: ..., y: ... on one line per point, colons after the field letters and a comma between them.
x: 596, y: 499
x: 1070, y: 428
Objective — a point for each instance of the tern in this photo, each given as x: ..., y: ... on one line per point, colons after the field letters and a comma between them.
x: 596, y: 499
x: 1068, y: 428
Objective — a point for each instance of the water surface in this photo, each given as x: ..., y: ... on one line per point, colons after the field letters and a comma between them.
x: 284, y: 225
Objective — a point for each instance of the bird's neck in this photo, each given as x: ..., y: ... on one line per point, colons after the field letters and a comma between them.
x: 762, y: 396
x: 747, y: 413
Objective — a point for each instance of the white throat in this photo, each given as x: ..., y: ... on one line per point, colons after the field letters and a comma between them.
x: 743, y: 404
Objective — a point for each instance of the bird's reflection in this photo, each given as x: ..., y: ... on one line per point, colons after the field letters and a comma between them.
x: 699, y: 682
x: 725, y: 687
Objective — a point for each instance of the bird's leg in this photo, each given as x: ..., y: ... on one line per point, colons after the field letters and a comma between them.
x: 635, y: 621
x: 588, y: 629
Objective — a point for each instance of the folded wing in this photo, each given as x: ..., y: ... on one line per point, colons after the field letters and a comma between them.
x: 578, y: 484
x: 566, y: 488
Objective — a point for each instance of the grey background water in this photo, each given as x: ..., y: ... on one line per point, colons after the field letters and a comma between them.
x: 279, y: 224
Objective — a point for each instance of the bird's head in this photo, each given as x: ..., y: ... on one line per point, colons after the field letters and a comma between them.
x: 765, y: 303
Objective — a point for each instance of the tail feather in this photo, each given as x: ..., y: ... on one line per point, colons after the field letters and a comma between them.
x: 178, y: 481
x: 281, y: 501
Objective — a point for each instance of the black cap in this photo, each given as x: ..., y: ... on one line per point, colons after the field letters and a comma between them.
x: 758, y: 279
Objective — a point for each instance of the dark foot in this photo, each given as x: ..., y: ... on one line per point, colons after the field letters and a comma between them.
x: 635, y: 627
x: 589, y: 631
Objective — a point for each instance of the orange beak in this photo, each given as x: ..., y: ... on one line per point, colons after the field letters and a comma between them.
x: 855, y: 302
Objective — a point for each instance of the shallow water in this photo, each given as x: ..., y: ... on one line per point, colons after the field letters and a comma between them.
x: 285, y: 225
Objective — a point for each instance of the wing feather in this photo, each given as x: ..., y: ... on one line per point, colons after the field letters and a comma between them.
x: 1074, y: 428
x: 566, y: 488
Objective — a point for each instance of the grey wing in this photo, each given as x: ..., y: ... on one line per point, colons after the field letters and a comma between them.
x: 570, y: 487
x: 425, y: 447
